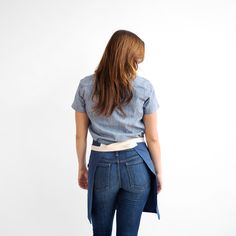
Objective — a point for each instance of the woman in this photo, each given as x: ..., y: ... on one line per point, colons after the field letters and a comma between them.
x: 118, y: 107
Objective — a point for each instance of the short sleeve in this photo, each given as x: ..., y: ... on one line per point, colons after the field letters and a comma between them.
x: 79, y: 102
x: 151, y: 104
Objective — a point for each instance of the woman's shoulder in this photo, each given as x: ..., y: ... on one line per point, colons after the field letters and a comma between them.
x: 141, y: 79
x: 87, y: 80
x: 142, y: 83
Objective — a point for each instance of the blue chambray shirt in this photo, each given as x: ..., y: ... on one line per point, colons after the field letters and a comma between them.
x: 117, y: 128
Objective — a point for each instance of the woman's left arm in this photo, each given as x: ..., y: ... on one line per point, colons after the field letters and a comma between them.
x: 82, y: 122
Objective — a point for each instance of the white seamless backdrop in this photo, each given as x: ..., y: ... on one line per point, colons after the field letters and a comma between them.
x: 47, y: 46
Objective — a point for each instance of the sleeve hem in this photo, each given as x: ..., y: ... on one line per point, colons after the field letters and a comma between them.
x: 77, y: 109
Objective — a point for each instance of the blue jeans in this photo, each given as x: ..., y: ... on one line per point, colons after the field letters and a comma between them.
x: 122, y: 182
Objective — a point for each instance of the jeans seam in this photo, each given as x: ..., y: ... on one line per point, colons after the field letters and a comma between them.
x: 109, y: 175
x: 118, y: 169
x: 130, y: 182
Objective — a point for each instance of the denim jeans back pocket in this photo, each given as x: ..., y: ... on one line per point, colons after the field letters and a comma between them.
x: 102, y: 176
x: 139, y: 176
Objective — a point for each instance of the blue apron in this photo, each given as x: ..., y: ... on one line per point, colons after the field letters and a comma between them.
x: 143, y: 151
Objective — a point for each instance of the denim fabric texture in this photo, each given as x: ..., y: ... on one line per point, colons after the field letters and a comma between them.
x: 122, y: 181
x: 117, y: 128
x: 105, y: 180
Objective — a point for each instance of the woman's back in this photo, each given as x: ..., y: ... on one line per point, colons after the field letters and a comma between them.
x: 116, y: 128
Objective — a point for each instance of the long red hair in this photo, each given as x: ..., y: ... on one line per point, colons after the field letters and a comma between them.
x: 117, y: 68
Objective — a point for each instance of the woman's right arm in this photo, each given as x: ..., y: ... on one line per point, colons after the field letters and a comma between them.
x: 151, y: 134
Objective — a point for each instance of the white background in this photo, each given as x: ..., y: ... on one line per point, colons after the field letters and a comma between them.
x: 47, y: 46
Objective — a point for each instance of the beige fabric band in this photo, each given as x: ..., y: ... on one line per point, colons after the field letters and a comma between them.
x: 118, y: 146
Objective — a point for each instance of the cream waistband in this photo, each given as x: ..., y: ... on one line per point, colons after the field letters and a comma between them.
x: 118, y: 146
